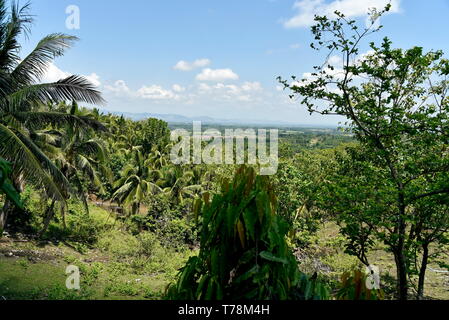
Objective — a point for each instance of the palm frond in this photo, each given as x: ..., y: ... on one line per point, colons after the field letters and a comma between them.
x: 27, y: 162
x: 18, y: 23
x: 72, y: 88
x: 34, y: 66
x: 37, y: 120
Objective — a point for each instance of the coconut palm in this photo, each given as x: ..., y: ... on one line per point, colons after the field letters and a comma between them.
x: 22, y: 95
x: 82, y: 155
x: 138, y: 181
x: 179, y: 183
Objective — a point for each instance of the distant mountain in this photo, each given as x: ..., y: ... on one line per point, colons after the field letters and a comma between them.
x: 179, y: 119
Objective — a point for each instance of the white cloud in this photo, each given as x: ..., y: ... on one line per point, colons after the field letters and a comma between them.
x: 54, y: 74
x: 156, y: 92
x: 152, y: 92
x: 295, y: 46
x: 189, y: 66
x: 251, y: 86
x: 307, y: 9
x: 94, y: 79
x: 246, y: 92
x: 217, y: 75
x: 178, y: 88
x: 119, y: 88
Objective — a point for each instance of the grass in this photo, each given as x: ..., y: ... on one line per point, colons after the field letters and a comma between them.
x: 326, y: 256
x: 119, y: 266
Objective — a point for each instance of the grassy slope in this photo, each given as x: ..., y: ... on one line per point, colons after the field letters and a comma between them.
x: 31, y: 270
x: 329, y: 257
x: 37, y: 271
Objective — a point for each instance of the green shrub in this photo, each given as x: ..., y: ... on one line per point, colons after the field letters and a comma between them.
x: 353, y: 287
x: 244, y: 253
x: 119, y: 243
x: 81, y: 227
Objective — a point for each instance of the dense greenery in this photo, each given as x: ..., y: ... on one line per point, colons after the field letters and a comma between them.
x: 244, y: 254
x: 393, y: 187
x: 99, y: 190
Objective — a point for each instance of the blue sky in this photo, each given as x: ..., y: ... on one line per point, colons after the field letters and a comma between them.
x: 217, y: 58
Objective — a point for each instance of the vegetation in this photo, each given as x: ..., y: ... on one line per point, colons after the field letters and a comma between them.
x: 392, y: 187
x: 80, y: 187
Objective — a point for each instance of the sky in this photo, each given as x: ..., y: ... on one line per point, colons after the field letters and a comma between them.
x: 215, y: 58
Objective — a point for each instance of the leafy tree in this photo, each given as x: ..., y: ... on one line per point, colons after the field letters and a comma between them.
x: 138, y: 181
x: 244, y: 253
x: 298, y: 184
x: 82, y: 156
x: 154, y: 134
x: 396, y: 104
x: 179, y: 183
x: 7, y: 188
x: 21, y: 94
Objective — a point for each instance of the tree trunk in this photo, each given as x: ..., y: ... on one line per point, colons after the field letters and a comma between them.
x: 4, y: 215
x: 401, y: 272
x: 401, y: 264
x: 50, y: 213
x: 422, y: 272
x: 8, y: 207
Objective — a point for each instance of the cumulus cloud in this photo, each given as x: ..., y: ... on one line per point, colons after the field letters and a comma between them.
x: 217, y: 75
x: 94, y: 79
x: 307, y: 9
x: 178, y: 88
x: 55, y: 74
x: 246, y: 92
x: 119, y: 88
x: 189, y: 66
x: 155, y: 92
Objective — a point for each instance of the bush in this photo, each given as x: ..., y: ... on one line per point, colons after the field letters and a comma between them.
x: 81, y: 227
x: 244, y: 254
x: 120, y: 244
x: 168, y: 221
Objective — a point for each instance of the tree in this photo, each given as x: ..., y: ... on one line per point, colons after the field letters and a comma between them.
x: 7, y: 188
x: 244, y: 253
x: 298, y: 184
x: 396, y: 104
x: 138, y: 181
x: 154, y: 135
x: 21, y: 94
x: 179, y: 184
x: 82, y: 156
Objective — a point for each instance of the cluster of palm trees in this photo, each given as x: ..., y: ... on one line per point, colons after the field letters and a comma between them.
x: 26, y: 122
x: 149, y: 173
x: 61, y: 149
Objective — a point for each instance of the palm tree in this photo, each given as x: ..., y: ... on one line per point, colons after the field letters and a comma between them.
x: 138, y: 181
x: 179, y: 183
x: 82, y: 155
x: 21, y: 96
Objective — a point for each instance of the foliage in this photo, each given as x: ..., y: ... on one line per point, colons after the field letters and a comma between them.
x: 6, y: 186
x: 298, y: 184
x: 244, y: 254
x: 353, y: 287
x: 395, y: 102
